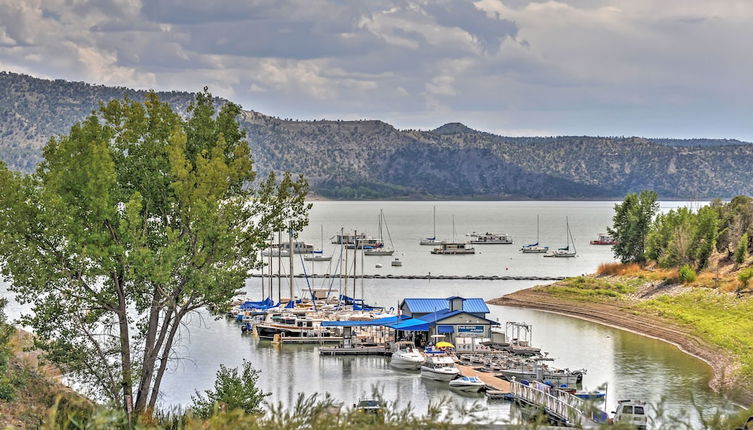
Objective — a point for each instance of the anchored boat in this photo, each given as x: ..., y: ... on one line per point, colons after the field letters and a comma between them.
x: 535, y: 248
x: 565, y: 252
x: 490, y: 239
x: 433, y: 239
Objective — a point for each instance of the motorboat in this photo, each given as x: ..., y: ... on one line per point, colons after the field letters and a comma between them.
x: 291, y: 326
x: 590, y: 395
x: 406, y: 356
x: 396, y: 263
x: 439, y: 367
x: 470, y: 384
x: 604, y: 239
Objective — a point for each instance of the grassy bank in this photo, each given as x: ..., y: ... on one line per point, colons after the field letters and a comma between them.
x: 707, y: 308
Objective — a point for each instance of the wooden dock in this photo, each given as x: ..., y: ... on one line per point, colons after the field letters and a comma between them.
x: 492, y: 382
x: 309, y: 340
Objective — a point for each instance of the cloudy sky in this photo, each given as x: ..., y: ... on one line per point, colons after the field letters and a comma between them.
x: 675, y: 68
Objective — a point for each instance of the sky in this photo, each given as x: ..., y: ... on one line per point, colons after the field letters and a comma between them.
x: 659, y: 68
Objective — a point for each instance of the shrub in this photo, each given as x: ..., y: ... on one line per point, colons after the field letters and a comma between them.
x: 618, y: 269
x: 687, y: 274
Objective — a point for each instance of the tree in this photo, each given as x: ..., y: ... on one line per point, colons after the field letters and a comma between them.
x: 741, y: 251
x: 632, y: 222
x: 231, y: 391
x: 132, y: 221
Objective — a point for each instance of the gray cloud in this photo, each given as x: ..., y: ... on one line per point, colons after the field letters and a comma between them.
x: 670, y: 68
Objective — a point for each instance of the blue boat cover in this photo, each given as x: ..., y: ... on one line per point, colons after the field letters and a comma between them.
x: 410, y: 324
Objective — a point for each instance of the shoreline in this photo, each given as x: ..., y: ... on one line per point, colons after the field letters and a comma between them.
x: 723, y: 366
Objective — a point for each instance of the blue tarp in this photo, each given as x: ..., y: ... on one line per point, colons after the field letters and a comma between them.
x: 264, y: 304
x: 291, y: 304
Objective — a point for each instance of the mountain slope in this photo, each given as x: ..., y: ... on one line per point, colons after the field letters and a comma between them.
x: 372, y: 159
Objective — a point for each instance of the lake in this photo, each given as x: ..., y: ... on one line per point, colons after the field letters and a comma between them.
x: 633, y: 366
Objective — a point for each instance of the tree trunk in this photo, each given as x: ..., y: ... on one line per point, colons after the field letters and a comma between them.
x: 150, y: 352
x: 125, y: 349
x: 164, y: 358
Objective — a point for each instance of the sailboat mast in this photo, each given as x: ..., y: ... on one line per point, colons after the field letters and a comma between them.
x: 453, y: 228
x: 537, y: 229
x: 290, y: 232
x: 343, y: 244
x: 279, y: 266
x: 355, y: 261
x: 434, y: 234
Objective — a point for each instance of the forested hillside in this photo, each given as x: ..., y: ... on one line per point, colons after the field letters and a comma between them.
x: 372, y: 159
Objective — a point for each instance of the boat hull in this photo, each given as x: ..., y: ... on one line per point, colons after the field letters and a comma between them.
x: 439, y: 374
x: 405, y: 364
x: 466, y: 387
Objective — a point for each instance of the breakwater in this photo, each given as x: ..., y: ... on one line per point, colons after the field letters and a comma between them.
x: 428, y: 276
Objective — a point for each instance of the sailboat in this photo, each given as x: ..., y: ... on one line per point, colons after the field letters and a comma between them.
x: 383, y: 250
x: 318, y: 254
x: 433, y: 239
x: 565, y: 252
x: 535, y: 248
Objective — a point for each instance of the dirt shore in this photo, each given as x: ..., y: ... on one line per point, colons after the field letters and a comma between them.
x: 621, y: 317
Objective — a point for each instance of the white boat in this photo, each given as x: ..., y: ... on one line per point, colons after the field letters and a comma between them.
x: 439, y: 367
x: 565, y: 252
x: 470, y: 384
x: 432, y: 241
x: 396, y: 263
x: 535, y: 248
x: 556, y: 377
x: 491, y: 239
x: 406, y: 356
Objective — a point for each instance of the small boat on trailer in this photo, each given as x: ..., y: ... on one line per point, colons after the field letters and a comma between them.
x: 469, y: 384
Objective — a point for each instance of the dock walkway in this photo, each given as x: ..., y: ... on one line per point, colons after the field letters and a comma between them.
x: 491, y: 381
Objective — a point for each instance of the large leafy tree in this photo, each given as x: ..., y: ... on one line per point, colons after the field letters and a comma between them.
x: 135, y: 219
x: 631, y: 224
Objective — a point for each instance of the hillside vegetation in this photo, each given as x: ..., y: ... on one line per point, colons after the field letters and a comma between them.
x: 371, y: 159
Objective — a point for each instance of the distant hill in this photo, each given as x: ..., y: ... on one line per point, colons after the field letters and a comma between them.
x: 371, y: 159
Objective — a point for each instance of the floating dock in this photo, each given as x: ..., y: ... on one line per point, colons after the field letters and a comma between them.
x: 356, y: 350
x: 492, y: 382
x: 438, y: 277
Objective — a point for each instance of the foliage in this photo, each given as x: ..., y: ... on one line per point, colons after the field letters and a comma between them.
x: 687, y: 274
x: 231, y: 391
x: 631, y: 225
x: 722, y: 319
x: 744, y: 276
x: 741, y: 250
x: 7, y: 386
x: 136, y: 218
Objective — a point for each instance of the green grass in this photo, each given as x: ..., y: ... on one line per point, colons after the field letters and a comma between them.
x: 721, y: 319
x: 594, y: 289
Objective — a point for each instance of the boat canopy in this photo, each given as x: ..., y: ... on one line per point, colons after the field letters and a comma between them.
x: 411, y: 324
x: 379, y: 321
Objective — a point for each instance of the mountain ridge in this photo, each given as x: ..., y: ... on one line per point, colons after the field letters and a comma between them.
x: 371, y: 159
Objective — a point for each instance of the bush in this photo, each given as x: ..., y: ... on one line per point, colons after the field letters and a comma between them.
x: 231, y: 391
x: 617, y: 269
x: 687, y: 274
x: 744, y: 277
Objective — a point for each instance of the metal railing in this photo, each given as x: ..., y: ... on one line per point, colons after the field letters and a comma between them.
x: 559, y: 404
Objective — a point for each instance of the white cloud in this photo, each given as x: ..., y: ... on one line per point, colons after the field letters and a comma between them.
x: 675, y: 67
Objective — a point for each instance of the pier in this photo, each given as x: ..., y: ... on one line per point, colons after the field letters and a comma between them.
x: 438, y: 277
x: 560, y: 407
x: 492, y: 382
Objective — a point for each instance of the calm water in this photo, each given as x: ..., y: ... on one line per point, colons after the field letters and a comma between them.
x: 631, y: 365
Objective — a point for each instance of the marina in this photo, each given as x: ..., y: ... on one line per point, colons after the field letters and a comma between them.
x: 623, y: 360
